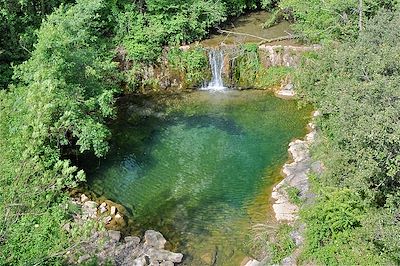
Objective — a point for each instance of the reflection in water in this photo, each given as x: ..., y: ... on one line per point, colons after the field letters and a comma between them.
x: 197, y: 167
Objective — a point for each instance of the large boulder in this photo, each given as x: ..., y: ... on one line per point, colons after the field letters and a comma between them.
x: 164, y: 255
x: 141, y: 261
x: 154, y: 239
x: 114, y: 236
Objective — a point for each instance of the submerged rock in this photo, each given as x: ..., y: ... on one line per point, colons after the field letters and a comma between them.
x: 210, y: 258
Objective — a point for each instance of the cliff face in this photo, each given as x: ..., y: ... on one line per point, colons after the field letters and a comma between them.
x: 245, y: 66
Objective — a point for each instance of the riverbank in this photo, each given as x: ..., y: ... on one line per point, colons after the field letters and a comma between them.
x: 111, y: 246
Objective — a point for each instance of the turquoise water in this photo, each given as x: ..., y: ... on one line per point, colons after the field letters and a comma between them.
x: 199, y: 167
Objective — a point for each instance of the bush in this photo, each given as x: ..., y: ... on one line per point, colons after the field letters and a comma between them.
x: 192, y: 63
x: 330, y: 222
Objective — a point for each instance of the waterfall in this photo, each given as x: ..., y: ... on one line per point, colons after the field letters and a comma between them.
x: 216, y: 59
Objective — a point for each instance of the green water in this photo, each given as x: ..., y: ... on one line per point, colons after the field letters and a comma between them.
x: 199, y: 167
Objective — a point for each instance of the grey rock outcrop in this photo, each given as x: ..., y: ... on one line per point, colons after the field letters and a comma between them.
x: 154, y: 239
x: 89, y: 210
x: 295, y: 176
x: 108, y: 248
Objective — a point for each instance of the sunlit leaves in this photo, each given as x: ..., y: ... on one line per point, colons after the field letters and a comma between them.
x: 355, y: 85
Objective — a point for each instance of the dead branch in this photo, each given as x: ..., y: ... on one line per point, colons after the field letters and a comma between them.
x: 281, y: 38
x: 263, y: 40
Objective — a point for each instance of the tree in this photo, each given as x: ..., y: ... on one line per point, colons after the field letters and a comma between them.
x: 329, y: 20
x: 355, y: 86
x: 18, y: 22
x: 64, y: 95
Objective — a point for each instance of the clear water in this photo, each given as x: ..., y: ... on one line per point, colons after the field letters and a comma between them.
x: 199, y: 167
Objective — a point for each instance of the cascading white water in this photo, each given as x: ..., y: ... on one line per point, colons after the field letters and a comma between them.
x: 216, y: 59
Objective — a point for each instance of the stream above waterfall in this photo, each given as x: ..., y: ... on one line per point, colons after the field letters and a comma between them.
x: 198, y: 167
x: 251, y: 24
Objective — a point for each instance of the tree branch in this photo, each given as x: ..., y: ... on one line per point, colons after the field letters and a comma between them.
x: 263, y: 40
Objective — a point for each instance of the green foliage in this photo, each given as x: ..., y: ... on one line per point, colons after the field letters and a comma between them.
x: 246, y: 66
x: 283, y: 245
x: 64, y: 95
x: 144, y: 29
x: 192, y: 63
x: 70, y: 72
x: 248, y: 71
x: 334, y: 214
x: 294, y: 195
x: 165, y: 22
x: 355, y: 86
x: 272, y: 76
x: 237, y: 7
x: 275, y: 18
x: 319, y: 20
x: 18, y: 21
x: 268, y: 4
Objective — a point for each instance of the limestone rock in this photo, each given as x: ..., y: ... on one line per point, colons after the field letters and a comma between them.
x: 299, y: 150
x: 154, y: 263
x: 113, y: 210
x: 154, y: 239
x: 286, y: 91
x: 297, y: 237
x: 67, y: 227
x: 160, y: 255
x: 84, y: 198
x: 132, y: 239
x: 115, y: 236
x: 103, y: 208
x: 167, y: 263
x: 107, y: 219
x: 141, y: 261
x: 250, y: 262
x: 316, y: 113
x: 89, y: 209
x: 83, y: 258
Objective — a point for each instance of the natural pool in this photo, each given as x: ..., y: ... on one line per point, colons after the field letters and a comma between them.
x: 199, y: 167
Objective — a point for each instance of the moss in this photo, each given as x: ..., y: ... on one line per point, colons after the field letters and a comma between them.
x: 249, y: 72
